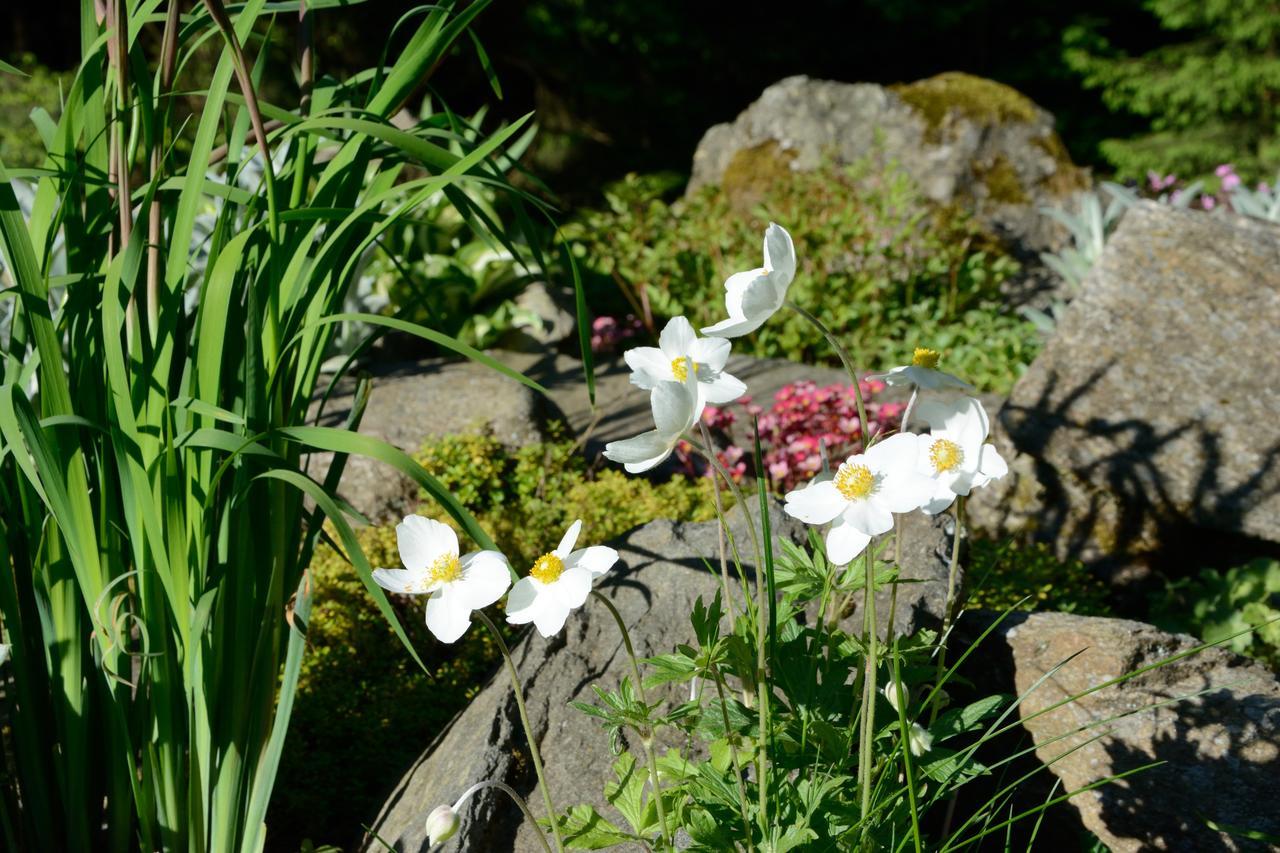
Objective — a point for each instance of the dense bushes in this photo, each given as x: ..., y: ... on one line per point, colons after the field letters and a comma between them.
x: 1219, y: 606
x: 888, y: 269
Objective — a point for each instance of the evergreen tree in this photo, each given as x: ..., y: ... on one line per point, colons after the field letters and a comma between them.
x: 1209, y: 94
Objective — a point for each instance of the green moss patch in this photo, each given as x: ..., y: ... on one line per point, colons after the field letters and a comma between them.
x: 984, y: 101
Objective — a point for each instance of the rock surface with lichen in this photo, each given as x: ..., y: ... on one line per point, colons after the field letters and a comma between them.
x: 1209, y: 722
x: 1148, y: 424
x: 964, y: 140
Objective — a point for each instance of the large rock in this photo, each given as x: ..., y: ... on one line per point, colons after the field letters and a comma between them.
x: 660, y: 576
x: 1213, y: 718
x: 1151, y: 416
x: 963, y: 139
x: 410, y: 402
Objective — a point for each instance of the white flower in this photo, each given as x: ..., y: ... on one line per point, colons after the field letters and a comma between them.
x: 457, y: 585
x: 922, y: 372
x: 5, y: 650
x: 752, y: 297
x: 863, y: 495
x: 442, y: 824
x: 675, y: 410
x: 954, y: 455
x: 678, y: 347
x: 919, y: 740
x: 558, y: 583
x: 891, y: 693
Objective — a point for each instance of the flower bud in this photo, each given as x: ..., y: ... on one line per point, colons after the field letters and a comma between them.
x: 442, y: 824
x: 891, y: 693
x: 919, y: 740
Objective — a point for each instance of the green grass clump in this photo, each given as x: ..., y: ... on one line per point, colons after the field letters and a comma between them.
x: 526, y: 498
x: 41, y: 89
x: 887, y: 269
x: 1004, y: 575
x: 1217, y: 605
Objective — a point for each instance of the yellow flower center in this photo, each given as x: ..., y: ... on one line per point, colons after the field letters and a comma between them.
x: 946, y: 455
x: 855, y: 481
x: 446, y: 568
x: 547, y: 568
x: 925, y: 357
x: 680, y: 368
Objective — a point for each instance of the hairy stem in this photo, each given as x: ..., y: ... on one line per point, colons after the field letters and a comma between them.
x: 867, y: 439
x: 534, y: 755
x: 948, y: 613
x: 737, y: 764
x: 510, y: 792
x: 866, y: 745
x: 646, y: 737
x: 715, y: 491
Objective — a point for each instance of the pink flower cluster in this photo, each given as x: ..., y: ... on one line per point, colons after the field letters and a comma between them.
x: 1228, y: 181
x: 804, y: 417
x: 608, y: 332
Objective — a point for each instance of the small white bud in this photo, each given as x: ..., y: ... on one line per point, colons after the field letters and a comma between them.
x: 919, y: 740
x: 5, y: 650
x: 891, y: 693
x: 442, y: 824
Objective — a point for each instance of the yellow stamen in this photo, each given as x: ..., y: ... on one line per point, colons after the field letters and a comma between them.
x: 925, y: 357
x: 946, y: 455
x: 855, y: 481
x: 446, y: 568
x: 547, y: 568
x: 680, y: 368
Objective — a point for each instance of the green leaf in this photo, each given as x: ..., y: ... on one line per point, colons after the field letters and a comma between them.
x: 960, y: 720
x: 583, y: 828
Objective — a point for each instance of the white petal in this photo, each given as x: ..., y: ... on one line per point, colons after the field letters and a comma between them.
x: 549, y: 615
x: 779, y: 252
x: 674, y: 406
x: 448, y: 613
x: 942, y: 498
x: 868, y: 516
x: 485, y: 578
x: 895, y: 453
x: 676, y: 340
x: 711, y: 353
x: 597, y: 559
x: 398, y: 580
x: 928, y: 379
x: 904, y: 492
x: 844, y: 542
x: 958, y: 418
x: 734, y: 327
x: 421, y: 540
x: 725, y: 388
x: 572, y: 587
x: 816, y: 503
x: 569, y: 539
x: 991, y: 463
x: 648, y: 367
x: 641, y: 453
x: 521, y: 600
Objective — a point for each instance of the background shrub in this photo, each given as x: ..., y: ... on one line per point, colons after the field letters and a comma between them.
x: 1002, y: 574
x: 1217, y: 605
x: 887, y: 269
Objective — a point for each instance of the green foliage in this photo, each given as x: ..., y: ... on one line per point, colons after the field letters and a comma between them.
x: 1210, y: 95
x: 886, y: 269
x: 1005, y: 575
x: 520, y: 495
x: 1217, y: 605
x: 20, y: 144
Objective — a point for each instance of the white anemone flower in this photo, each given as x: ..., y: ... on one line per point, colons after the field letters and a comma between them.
x: 860, y: 500
x: 558, y: 583
x: 675, y: 411
x: 923, y: 373
x: 754, y: 296
x: 954, y: 454
x: 457, y: 585
x: 442, y: 824
x: 678, y: 349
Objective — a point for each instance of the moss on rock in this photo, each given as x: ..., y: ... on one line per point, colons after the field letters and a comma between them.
x: 976, y: 98
x: 752, y: 171
x: 1002, y: 181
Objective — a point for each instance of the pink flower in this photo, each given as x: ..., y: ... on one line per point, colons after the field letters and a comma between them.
x: 1208, y: 202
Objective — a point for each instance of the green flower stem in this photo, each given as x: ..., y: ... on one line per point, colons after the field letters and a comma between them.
x: 724, y: 563
x: 737, y: 765
x: 510, y: 792
x: 866, y: 744
x: 904, y: 731
x: 948, y: 613
x: 528, y: 729
x: 762, y: 687
x: 848, y: 367
x: 646, y: 737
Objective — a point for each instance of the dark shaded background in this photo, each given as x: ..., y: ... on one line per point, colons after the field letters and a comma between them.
x: 623, y: 86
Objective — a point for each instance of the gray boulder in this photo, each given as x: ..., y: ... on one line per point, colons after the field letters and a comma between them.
x: 410, y: 402
x: 962, y: 139
x: 1151, y: 416
x: 660, y: 576
x: 1213, y: 718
